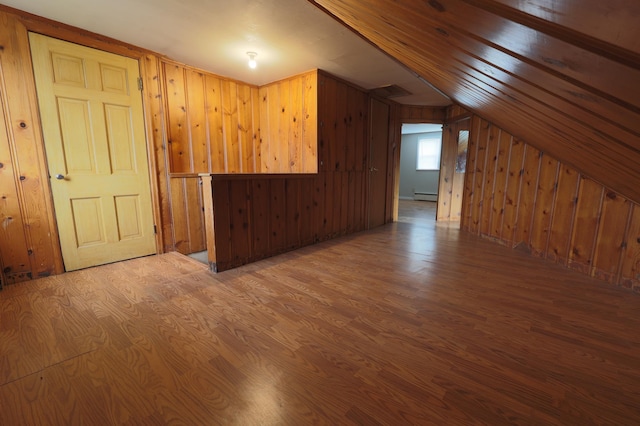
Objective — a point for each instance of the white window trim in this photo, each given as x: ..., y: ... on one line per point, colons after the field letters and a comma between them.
x: 434, y: 141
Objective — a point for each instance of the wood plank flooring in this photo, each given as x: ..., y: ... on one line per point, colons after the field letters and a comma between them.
x: 411, y: 323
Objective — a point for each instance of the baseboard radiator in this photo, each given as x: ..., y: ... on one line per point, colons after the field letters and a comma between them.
x: 425, y: 196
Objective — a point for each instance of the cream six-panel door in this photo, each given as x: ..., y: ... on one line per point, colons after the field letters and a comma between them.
x: 93, y: 126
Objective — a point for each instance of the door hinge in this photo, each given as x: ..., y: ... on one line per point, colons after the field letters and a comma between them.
x: 140, y: 83
x: 155, y: 229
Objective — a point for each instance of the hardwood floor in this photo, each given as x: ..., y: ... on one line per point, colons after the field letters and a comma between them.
x: 405, y: 324
x: 417, y: 212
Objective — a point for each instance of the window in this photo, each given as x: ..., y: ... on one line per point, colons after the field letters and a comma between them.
x: 429, y: 154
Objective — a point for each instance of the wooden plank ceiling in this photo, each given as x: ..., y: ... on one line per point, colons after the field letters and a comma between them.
x: 564, y: 75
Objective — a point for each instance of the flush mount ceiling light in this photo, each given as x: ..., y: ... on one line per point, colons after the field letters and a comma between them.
x: 252, y: 59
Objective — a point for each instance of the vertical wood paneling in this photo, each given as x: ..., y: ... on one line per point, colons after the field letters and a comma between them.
x: 362, y: 132
x: 296, y: 111
x: 179, y: 213
x: 283, y: 112
x: 178, y: 131
x: 213, y: 122
x: 14, y: 257
x: 18, y: 94
x: 552, y: 211
x: 256, y: 135
x: 344, y: 204
x: 292, y: 213
x: 329, y: 204
x: 328, y: 116
x: 274, y: 144
x: 222, y: 214
x: 502, y: 167
x: 266, y: 124
x: 351, y: 121
x: 187, y: 214
x: 610, y: 242
x: 361, y: 200
x: 417, y: 114
x: 245, y: 129
x: 528, y: 192
x: 585, y: 229
x: 335, y: 196
x: 288, y: 212
x: 310, y: 123
x: 199, y: 143
x: 323, y: 104
x: 563, y: 215
x: 256, y: 217
x: 542, y: 214
x: 512, y: 190
x: 278, y: 215
x: 447, y: 169
x: 470, y: 175
x: 630, y: 267
x: 217, y: 146
x: 451, y: 182
x: 378, y: 179
x: 341, y: 139
x: 481, y: 158
x: 491, y: 162
x: 230, y: 125
x: 240, y: 222
x: 306, y: 212
x: 457, y: 194
x: 352, y: 202
x: 194, y: 210
x: 260, y: 211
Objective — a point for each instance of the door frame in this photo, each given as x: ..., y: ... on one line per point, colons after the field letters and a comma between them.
x: 398, y: 166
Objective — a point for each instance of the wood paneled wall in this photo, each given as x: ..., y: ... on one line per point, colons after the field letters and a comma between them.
x: 196, y: 122
x: 422, y: 114
x: 253, y: 217
x: 451, y: 183
x: 343, y: 118
x: 218, y: 131
x: 260, y: 216
x: 210, y: 124
x: 29, y: 244
x: 213, y: 123
x: 289, y: 125
x: 525, y: 198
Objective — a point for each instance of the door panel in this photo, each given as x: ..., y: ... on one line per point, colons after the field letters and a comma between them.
x: 92, y: 120
x: 378, y: 163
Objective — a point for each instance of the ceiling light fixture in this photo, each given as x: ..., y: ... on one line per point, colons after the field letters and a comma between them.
x: 252, y: 59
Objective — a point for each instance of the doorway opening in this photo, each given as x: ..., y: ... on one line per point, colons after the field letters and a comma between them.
x: 420, y: 153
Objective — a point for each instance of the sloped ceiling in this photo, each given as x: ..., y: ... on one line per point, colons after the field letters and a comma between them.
x: 289, y: 36
x: 564, y: 75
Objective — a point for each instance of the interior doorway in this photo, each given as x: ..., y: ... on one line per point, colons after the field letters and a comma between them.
x: 420, y: 157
